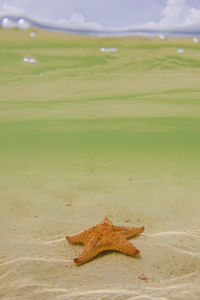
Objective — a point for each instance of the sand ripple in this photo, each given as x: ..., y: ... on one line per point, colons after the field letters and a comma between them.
x: 33, y: 259
x: 170, y: 260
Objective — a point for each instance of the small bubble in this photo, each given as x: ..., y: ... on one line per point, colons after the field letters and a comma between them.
x: 25, y: 59
x: 21, y: 21
x: 32, y: 60
x: 29, y: 60
x: 7, y: 23
x: 23, y: 24
x: 195, y: 40
x: 162, y: 36
x: 180, y: 50
x: 32, y: 34
x: 108, y: 49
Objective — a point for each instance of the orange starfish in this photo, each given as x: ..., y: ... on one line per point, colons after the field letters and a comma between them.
x: 104, y: 236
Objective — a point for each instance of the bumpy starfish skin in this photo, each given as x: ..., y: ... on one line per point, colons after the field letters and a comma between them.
x: 102, y: 237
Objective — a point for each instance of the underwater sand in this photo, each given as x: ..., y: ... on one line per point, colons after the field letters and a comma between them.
x: 99, y: 135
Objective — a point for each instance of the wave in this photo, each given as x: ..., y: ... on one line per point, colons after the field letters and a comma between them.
x: 148, y: 29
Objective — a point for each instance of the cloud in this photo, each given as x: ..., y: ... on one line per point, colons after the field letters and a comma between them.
x: 77, y: 20
x: 178, y: 12
x: 7, y: 9
x: 193, y: 17
x: 176, y: 17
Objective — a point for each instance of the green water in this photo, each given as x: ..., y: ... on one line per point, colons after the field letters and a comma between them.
x: 134, y: 109
x: 99, y: 134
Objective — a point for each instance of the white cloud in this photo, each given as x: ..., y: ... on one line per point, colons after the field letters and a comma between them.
x: 178, y: 12
x: 7, y: 9
x: 193, y: 16
x: 78, y: 21
x: 177, y: 16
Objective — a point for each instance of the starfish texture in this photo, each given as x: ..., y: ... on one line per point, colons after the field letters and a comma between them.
x: 104, y: 236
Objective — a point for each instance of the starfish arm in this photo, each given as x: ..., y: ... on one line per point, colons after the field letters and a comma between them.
x: 129, y: 231
x: 122, y: 245
x: 119, y: 243
x: 88, y: 253
x: 79, y: 237
x: 106, y: 221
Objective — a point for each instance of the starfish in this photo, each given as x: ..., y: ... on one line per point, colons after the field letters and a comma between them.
x: 102, y: 237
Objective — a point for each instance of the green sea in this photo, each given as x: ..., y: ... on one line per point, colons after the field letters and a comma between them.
x: 86, y: 134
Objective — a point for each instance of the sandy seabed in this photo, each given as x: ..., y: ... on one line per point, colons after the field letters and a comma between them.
x: 39, y: 210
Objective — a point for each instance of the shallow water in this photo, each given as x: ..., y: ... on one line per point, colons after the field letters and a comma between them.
x: 114, y: 136
x: 40, y: 209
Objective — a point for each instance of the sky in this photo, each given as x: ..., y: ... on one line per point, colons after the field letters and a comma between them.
x: 107, y: 13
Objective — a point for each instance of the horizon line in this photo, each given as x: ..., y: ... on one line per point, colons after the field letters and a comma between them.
x: 148, y: 29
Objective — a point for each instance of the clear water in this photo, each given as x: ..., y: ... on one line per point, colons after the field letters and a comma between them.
x: 100, y: 134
